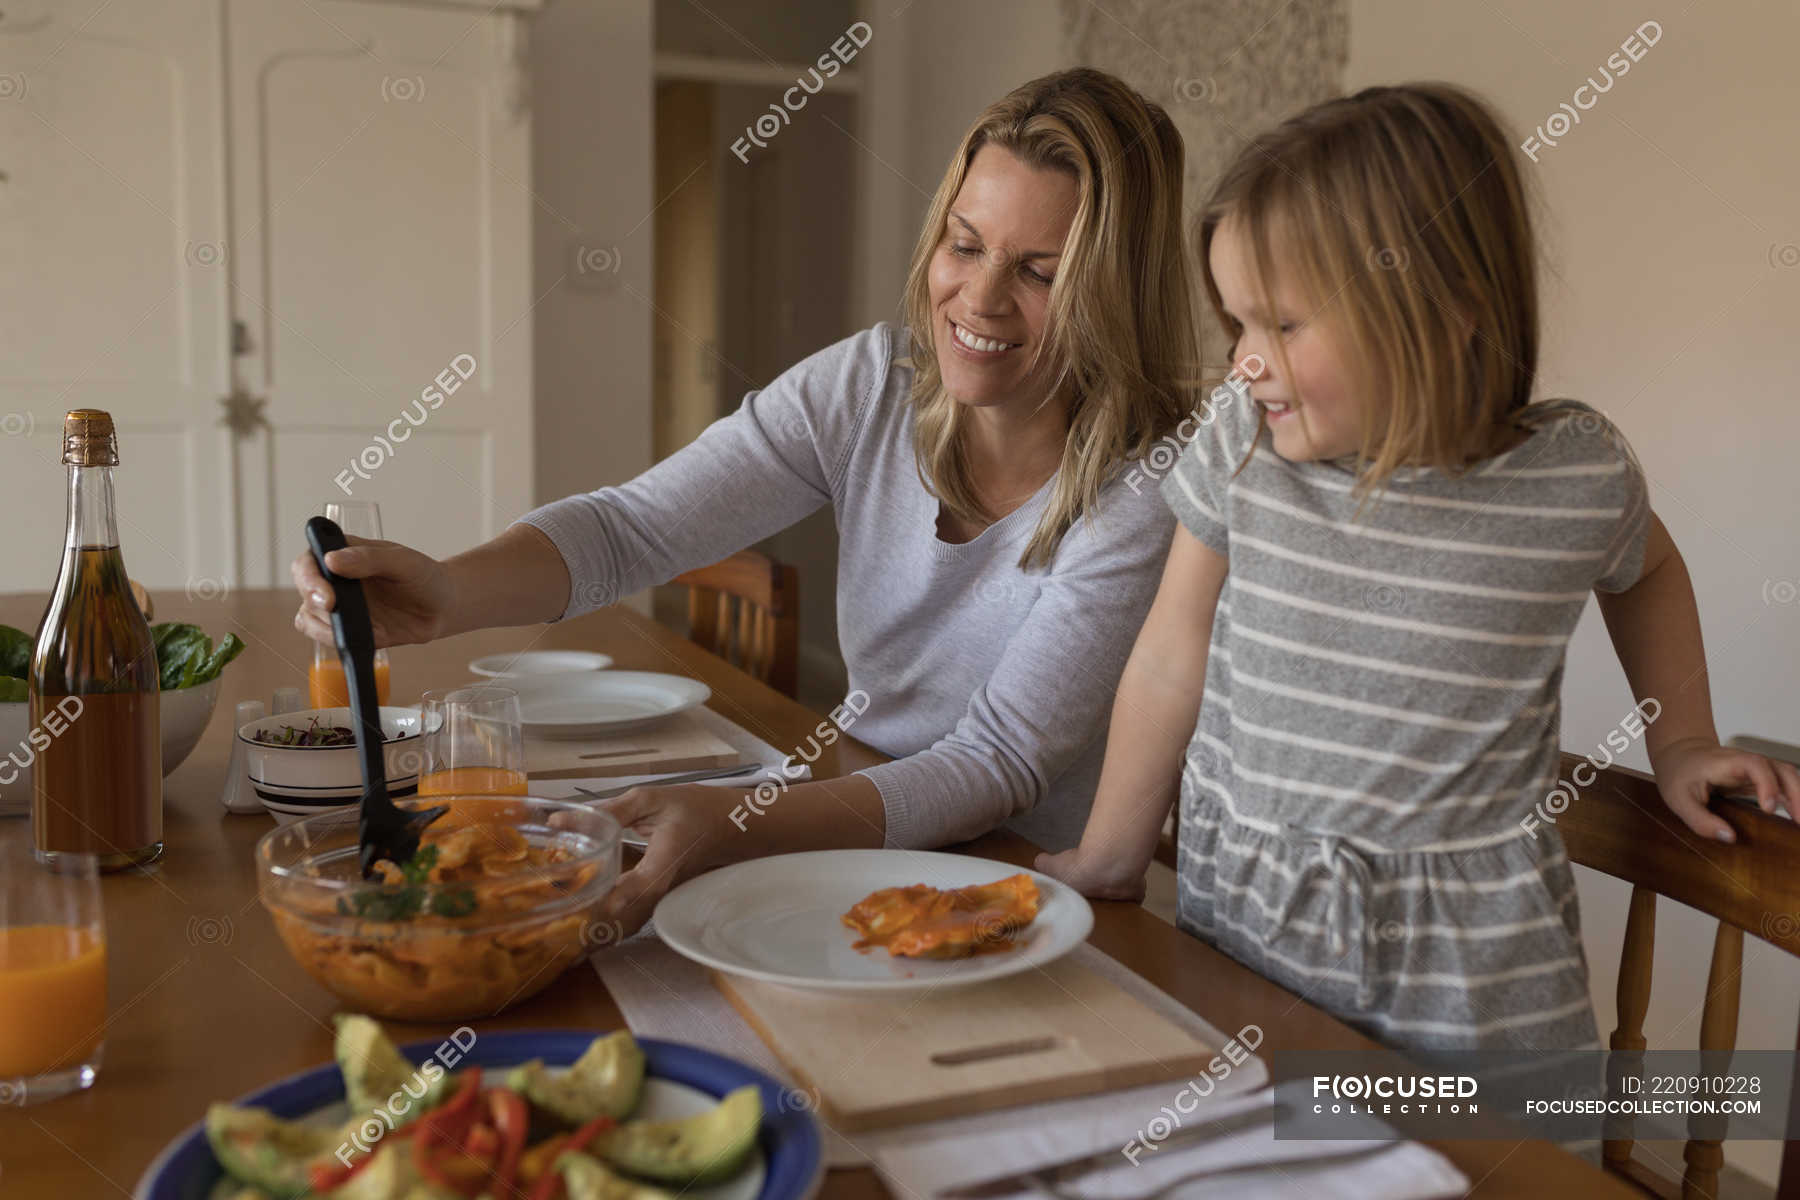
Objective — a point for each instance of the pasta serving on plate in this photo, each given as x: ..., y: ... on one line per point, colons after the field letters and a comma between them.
x: 920, y: 921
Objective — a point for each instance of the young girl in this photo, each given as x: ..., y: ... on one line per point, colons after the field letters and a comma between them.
x: 1410, y: 543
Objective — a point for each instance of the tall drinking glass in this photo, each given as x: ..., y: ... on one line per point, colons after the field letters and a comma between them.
x: 52, y: 972
x: 473, y: 741
x: 357, y: 518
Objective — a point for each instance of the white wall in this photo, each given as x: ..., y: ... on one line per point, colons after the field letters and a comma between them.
x: 591, y: 181
x: 931, y: 67
x: 1663, y: 310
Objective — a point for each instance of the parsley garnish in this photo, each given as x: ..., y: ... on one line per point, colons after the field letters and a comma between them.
x: 398, y: 902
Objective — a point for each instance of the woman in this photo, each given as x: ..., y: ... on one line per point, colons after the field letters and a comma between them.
x: 995, y: 557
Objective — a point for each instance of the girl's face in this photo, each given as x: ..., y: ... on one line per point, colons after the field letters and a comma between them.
x: 1311, y: 408
x: 990, y: 277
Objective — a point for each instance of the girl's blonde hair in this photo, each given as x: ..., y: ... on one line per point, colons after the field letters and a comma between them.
x: 1404, y: 218
x: 1120, y: 343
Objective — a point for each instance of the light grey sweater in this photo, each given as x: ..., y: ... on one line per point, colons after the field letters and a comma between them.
x: 991, y: 687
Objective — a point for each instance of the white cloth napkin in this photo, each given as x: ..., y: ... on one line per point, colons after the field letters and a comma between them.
x: 919, y: 1166
x: 750, y: 748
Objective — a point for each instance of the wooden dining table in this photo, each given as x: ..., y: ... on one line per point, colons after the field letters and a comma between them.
x: 205, y: 1004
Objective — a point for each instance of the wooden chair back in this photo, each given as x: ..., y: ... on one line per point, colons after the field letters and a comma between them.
x: 1619, y: 824
x: 746, y: 610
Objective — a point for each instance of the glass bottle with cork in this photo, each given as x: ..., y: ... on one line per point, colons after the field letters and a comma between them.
x: 97, y: 785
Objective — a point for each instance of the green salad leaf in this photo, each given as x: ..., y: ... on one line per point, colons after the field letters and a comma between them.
x: 168, y: 631
x: 229, y: 647
x: 399, y: 902
x: 15, y: 652
x: 185, y: 657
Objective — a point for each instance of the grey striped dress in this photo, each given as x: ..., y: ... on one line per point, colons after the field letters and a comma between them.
x: 1381, y: 710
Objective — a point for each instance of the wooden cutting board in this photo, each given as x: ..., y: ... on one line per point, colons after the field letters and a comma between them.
x: 882, y: 1059
x: 681, y: 743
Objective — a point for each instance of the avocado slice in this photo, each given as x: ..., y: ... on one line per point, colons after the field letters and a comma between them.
x: 261, y: 1150
x: 587, y: 1179
x: 705, y: 1148
x: 606, y: 1081
x: 374, y: 1070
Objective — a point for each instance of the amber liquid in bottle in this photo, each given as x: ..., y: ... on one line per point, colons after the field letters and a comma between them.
x: 97, y: 782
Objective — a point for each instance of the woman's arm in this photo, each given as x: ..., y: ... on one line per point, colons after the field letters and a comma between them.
x: 517, y: 578
x: 1153, y: 719
x: 748, y: 475
x: 691, y: 827
x: 779, y: 457
x: 1655, y: 629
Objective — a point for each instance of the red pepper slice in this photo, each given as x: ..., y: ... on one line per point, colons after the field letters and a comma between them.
x: 450, y: 1121
x: 322, y: 1177
x: 550, y: 1184
x: 483, y: 1141
x: 581, y: 1137
x: 535, y: 1162
x: 513, y: 1119
x: 448, y: 1124
x: 468, y: 1087
x: 459, y: 1173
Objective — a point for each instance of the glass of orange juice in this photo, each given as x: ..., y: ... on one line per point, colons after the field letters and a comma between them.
x: 52, y: 973
x: 473, y: 741
x: 357, y: 518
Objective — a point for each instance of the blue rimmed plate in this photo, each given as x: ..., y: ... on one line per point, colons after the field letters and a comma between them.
x: 682, y: 1080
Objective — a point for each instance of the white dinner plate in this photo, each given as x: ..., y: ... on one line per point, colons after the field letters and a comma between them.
x: 523, y: 663
x: 779, y: 919
x: 591, y: 703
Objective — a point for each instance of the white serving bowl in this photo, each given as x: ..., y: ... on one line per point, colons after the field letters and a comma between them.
x: 15, y: 782
x: 182, y: 715
x: 302, y: 780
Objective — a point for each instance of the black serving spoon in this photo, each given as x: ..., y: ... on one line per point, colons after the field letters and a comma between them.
x: 386, y: 830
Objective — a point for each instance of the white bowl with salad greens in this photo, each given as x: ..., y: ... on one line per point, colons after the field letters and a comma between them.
x: 302, y: 762
x: 189, y: 664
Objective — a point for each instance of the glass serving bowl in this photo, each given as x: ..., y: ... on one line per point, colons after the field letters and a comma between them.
x: 503, y: 897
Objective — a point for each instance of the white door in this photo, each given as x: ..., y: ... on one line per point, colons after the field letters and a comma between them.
x: 112, y: 288
x: 338, y: 192
x: 381, y: 219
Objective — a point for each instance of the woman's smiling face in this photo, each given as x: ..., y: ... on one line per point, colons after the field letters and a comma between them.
x: 990, y: 277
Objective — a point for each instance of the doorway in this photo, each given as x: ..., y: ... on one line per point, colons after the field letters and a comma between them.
x: 755, y: 251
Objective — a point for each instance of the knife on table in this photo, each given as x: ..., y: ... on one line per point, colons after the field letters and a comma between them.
x: 685, y: 777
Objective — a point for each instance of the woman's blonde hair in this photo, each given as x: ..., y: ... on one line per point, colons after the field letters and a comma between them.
x: 1120, y: 343
x: 1403, y: 216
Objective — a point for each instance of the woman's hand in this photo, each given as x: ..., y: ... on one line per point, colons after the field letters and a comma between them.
x: 1688, y: 769
x: 1099, y: 876
x: 408, y: 592
x: 688, y: 828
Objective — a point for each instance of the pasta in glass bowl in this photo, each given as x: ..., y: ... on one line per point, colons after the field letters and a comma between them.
x: 500, y: 900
